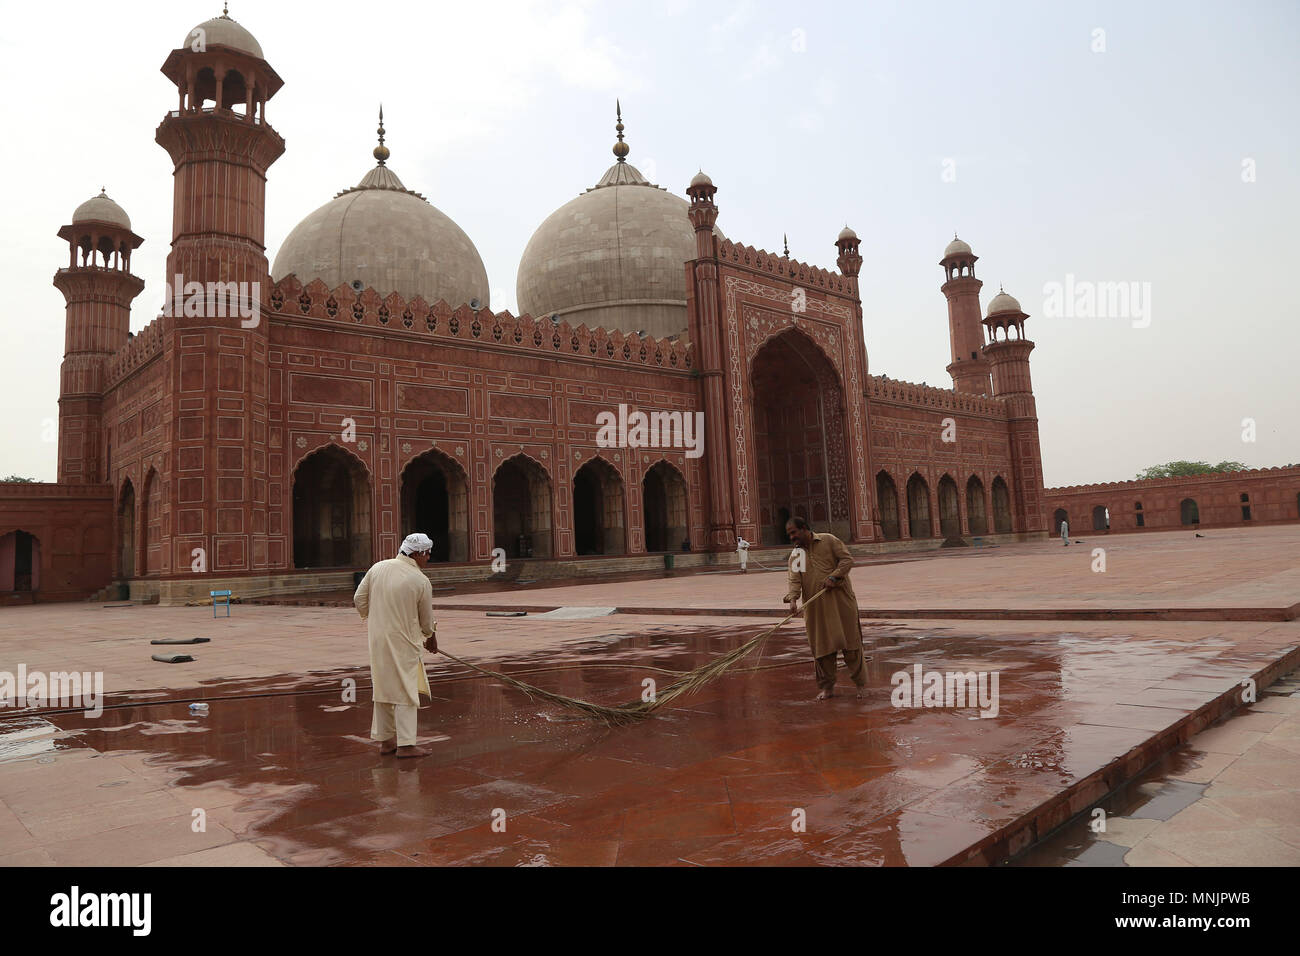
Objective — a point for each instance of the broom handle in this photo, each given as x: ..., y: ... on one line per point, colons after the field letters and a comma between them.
x: 779, y: 625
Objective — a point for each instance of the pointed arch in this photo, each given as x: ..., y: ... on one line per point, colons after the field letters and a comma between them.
x: 887, y: 506
x: 800, y: 436
x: 977, y: 518
x: 521, y: 508
x: 434, y: 500
x: 599, y: 506
x: 664, y: 507
x: 1001, y: 506
x: 949, y: 508
x: 919, y: 524
x: 126, y: 530
x: 331, y: 510
x: 150, y: 549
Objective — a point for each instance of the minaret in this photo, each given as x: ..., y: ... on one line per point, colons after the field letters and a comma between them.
x: 1009, y: 360
x: 221, y: 146
x: 98, y: 286
x: 850, y: 262
x: 706, y: 332
x: 968, y: 369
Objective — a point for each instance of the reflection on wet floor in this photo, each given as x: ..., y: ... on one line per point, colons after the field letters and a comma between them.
x: 750, y: 770
x: 1179, y: 780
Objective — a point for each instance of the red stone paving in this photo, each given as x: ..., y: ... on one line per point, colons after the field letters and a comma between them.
x: 284, y: 772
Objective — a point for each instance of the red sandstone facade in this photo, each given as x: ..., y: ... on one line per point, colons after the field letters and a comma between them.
x: 1227, y: 500
x: 289, y: 452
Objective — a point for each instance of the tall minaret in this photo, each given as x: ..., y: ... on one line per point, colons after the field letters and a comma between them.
x: 1009, y: 359
x: 98, y: 286
x: 222, y: 147
x: 969, y: 371
x: 706, y: 332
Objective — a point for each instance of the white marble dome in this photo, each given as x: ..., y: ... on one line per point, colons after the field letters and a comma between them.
x: 223, y: 31
x: 101, y: 209
x: 381, y: 234
x: 957, y: 248
x: 1003, y: 303
x: 613, y: 258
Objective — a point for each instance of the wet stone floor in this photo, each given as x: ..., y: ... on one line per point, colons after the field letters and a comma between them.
x: 1228, y: 797
x: 748, y: 771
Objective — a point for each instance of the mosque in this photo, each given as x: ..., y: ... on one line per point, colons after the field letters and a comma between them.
x: 287, y: 423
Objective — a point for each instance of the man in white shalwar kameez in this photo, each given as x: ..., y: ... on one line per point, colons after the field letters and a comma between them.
x: 395, y: 599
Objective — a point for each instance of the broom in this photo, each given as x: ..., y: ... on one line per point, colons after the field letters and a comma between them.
x: 629, y: 713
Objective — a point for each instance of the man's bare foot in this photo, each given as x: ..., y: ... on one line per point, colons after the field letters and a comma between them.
x: 412, y: 752
x: 388, y: 746
x: 826, y: 695
x: 862, y: 692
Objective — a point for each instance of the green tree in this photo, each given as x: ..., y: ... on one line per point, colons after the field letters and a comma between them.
x: 19, y: 479
x: 1181, y: 469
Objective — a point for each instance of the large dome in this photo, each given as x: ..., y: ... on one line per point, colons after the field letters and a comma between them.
x: 612, y: 258
x: 381, y: 234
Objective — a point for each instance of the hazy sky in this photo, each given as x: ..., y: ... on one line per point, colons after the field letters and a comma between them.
x: 1055, y: 150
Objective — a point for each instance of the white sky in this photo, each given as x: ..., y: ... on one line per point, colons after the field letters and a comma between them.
x: 1123, y: 165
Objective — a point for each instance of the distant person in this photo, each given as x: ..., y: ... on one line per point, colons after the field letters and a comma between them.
x: 832, y: 621
x: 1065, y: 532
x: 742, y: 552
x: 395, y: 599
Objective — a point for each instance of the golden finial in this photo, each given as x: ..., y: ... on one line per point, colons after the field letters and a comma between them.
x: 381, y: 151
x: 225, y: 10
x: 786, y: 240
x: 621, y: 149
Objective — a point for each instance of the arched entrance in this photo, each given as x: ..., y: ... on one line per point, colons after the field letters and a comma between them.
x: 126, y: 531
x: 663, y: 497
x: 1001, y: 506
x: 521, y: 508
x: 1188, y: 512
x: 976, y: 516
x: 949, y: 508
x: 799, y: 437
x: 887, y: 503
x: 1059, y: 516
x: 918, y: 508
x: 20, y: 562
x: 1100, y: 518
x: 598, y: 509
x: 151, y: 524
x: 331, y: 511
x: 435, y: 501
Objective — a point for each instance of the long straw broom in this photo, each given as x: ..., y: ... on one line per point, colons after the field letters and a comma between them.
x: 629, y: 713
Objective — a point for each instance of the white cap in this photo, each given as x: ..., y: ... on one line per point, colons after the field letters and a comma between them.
x: 416, y: 544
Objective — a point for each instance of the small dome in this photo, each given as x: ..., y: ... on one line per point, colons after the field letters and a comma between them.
x: 701, y: 179
x: 102, y: 209
x: 957, y: 248
x: 846, y: 233
x: 385, y: 236
x: 223, y: 31
x: 1003, y: 303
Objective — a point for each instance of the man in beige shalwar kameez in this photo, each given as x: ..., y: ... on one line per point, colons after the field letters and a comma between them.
x: 395, y: 599
x: 831, y: 620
